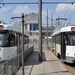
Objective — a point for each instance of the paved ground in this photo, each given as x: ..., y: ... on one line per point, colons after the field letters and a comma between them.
x: 50, y: 65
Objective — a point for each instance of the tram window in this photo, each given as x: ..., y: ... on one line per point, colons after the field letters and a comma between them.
x: 16, y: 39
x: 58, y: 39
x: 70, y: 38
x: 53, y: 42
x: 7, y: 40
x: 4, y: 41
x: 65, y: 39
x: 20, y: 38
x: 12, y: 39
x: 73, y: 39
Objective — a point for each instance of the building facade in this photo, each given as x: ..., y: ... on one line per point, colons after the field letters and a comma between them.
x: 34, y: 31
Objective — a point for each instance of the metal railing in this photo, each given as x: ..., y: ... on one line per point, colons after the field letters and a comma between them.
x: 44, y: 41
x: 11, y: 66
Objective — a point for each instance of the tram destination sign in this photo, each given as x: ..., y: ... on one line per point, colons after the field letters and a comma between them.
x: 31, y: 18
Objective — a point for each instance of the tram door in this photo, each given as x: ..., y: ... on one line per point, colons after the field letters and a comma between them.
x: 63, y: 46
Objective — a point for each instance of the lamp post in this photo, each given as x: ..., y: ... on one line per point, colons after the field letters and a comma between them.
x: 22, y: 41
x: 23, y: 44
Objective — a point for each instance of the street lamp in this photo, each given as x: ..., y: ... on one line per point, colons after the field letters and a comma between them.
x: 22, y: 41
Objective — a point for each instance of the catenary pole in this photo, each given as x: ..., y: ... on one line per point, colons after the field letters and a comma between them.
x: 40, y: 29
x: 52, y: 21
x: 47, y: 28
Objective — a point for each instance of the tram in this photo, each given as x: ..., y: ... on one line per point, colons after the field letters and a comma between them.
x: 63, y: 43
x: 10, y: 41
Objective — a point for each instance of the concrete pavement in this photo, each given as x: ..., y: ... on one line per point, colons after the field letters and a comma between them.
x: 50, y: 65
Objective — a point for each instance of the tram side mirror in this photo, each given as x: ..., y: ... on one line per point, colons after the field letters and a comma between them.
x: 12, y: 43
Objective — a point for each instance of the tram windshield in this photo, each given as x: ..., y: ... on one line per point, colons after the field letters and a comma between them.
x: 3, y: 39
x: 71, y: 38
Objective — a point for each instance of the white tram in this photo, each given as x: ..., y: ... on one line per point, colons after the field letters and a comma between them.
x: 10, y: 41
x: 63, y: 43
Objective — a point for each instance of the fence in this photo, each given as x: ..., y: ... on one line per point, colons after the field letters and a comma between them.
x: 11, y: 66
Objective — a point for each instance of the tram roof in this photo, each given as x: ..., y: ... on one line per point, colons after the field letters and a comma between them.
x: 63, y: 29
x: 13, y: 28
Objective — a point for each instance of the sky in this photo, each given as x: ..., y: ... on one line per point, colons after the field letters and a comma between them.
x: 7, y: 11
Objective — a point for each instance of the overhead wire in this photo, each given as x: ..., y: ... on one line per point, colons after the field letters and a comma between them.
x: 43, y: 15
x: 68, y: 10
x: 52, y: 19
x: 16, y: 16
x: 12, y: 13
x: 43, y: 20
x: 62, y: 15
x: 1, y: 0
x: 49, y: 18
x: 9, y: 10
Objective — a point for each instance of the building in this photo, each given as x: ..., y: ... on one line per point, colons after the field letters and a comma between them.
x: 31, y: 24
x: 34, y: 31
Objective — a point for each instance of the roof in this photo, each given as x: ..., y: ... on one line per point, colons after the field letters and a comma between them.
x: 14, y: 28
x: 63, y: 29
x: 11, y: 27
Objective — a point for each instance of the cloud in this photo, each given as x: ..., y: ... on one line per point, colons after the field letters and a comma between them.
x: 22, y: 9
x: 5, y: 9
x: 64, y: 7
x: 26, y: 9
